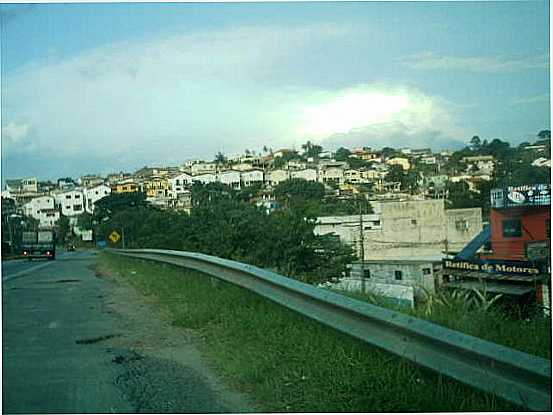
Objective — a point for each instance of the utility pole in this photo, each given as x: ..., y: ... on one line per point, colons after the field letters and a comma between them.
x: 123, y: 236
x: 362, y: 248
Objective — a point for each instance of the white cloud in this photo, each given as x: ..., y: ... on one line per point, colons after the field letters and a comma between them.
x: 532, y: 99
x: 14, y: 133
x: 433, y: 61
x: 185, y: 95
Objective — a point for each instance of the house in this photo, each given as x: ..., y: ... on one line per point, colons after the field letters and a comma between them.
x: 311, y: 175
x: 44, y: 210
x: 297, y: 165
x: 205, y: 178
x: 403, y: 281
x: 203, y: 168
x: 125, y: 186
x: 90, y: 180
x: 406, y: 229
x: 71, y: 202
x: 93, y: 194
x: 251, y: 177
x: 353, y: 176
x: 282, y: 152
x: 178, y: 183
x: 26, y: 185
x: 429, y: 160
x: 399, y: 161
x: 274, y: 177
x: 332, y: 175
x: 230, y: 178
x: 483, y: 164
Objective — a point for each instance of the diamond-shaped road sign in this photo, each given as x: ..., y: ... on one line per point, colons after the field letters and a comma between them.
x: 114, y: 236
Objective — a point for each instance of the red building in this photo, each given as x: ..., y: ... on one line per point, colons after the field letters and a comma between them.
x: 520, y: 221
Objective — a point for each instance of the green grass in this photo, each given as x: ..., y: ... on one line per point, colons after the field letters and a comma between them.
x: 530, y: 335
x: 289, y: 363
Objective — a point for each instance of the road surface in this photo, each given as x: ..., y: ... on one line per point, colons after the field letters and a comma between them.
x: 75, y: 341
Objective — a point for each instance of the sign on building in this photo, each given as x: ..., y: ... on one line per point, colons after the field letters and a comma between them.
x: 525, y: 195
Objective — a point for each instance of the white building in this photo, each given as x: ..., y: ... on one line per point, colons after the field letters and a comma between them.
x: 399, y: 161
x: 353, y: 176
x: 274, y: 177
x: 93, y: 194
x: 484, y: 164
x: 72, y: 203
x: 178, y: 183
x: 42, y: 209
x: 251, y: 177
x: 230, y: 178
x: 332, y: 175
x: 201, y: 168
x: 542, y: 162
x: 311, y: 175
x: 205, y: 178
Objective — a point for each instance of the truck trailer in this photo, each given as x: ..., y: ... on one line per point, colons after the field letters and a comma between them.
x: 39, y: 244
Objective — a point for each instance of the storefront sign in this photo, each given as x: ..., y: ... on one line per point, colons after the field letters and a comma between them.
x: 518, y: 268
x: 525, y: 195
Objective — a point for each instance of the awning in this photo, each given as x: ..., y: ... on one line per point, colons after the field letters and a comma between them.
x: 491, y: 286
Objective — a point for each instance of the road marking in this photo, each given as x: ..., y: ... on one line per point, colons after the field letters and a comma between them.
x: 21, y: 273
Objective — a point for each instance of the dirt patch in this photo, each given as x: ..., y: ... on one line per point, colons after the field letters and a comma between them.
x: 163, y: 369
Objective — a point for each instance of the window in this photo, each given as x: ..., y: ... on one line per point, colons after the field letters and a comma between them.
x: 462, y: 225
x: 398, y: 275
x: 426, y: 271
x: 77, y: 207
x: 512, y: 228
x: 413, y: 221
x: 68, y: 196
x: 77, y: 196
x: 68, y: 207
x: 366, y: 273
x: 376, y: 223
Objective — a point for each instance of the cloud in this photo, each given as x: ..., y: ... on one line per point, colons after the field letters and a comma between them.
x: 531, y: 100
x: 433, y: 61
x: 382, y: 115
x: 166, y: 99
x: 14, y: 133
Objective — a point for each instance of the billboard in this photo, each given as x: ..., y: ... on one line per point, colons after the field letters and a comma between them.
x: 525, y: 195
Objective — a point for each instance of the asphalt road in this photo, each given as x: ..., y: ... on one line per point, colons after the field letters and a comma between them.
x: 77, y: 342
x: 48, y: 306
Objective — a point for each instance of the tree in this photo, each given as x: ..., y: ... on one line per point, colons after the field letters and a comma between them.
x: 311, y: 150
x: 395, y: 174
x: 342, y: 154
x: 63, y: 228
x: 220, y: 159
x: 84, y: 221
x: 475, y: 143
x: 544, y: 134
x: 299, y: 189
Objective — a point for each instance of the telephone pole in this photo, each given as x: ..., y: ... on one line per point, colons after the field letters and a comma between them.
x: 362, y: 248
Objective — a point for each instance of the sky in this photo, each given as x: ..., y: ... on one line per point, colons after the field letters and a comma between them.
x: 100, y: 88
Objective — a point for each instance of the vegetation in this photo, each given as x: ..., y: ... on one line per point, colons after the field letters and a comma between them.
x: 289, y: 363
x: 482, y: 315
x: 223, y: 224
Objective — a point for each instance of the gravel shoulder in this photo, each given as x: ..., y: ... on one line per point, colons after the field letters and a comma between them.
x: 162, y: 367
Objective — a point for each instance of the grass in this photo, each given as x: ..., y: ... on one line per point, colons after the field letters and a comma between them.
x: 289, y: 363
x: 530, y: 335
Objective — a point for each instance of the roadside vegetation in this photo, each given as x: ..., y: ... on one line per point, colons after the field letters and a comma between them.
x: 480, y: 315
x: 289, y: 363
x: 224, y: 223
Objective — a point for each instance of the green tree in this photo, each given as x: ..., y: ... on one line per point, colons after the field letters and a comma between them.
x: 342, y: 154
x: 475, y: 143
x: 395, y: 174
x: 544, y: 134
x: 84, y: 221
x: 63, y: 229
x: 311, y: 150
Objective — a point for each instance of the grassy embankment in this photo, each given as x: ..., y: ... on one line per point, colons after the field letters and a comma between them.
x: 287, y: 362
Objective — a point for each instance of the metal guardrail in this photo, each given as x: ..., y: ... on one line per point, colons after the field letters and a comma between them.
x: 513, y: 375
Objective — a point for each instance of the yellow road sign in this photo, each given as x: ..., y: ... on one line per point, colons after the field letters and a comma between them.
x: 114, y: 236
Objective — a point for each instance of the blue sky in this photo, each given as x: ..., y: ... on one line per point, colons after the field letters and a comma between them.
x: 104, y: 87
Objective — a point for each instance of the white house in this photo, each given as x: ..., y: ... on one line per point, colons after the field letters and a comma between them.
x: 230, y: 178
x: 274, y: 177
x: 205, y: 178
x: 177, y: 183
x: 353, y: 176
x: 72, y: 202
x: 399, y: 161
x: 93, y: 194
x: 251, y: 177
x: 332, y: 175
x: 311, y: 175
x: 201, y: 168
x: 42, y: 209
